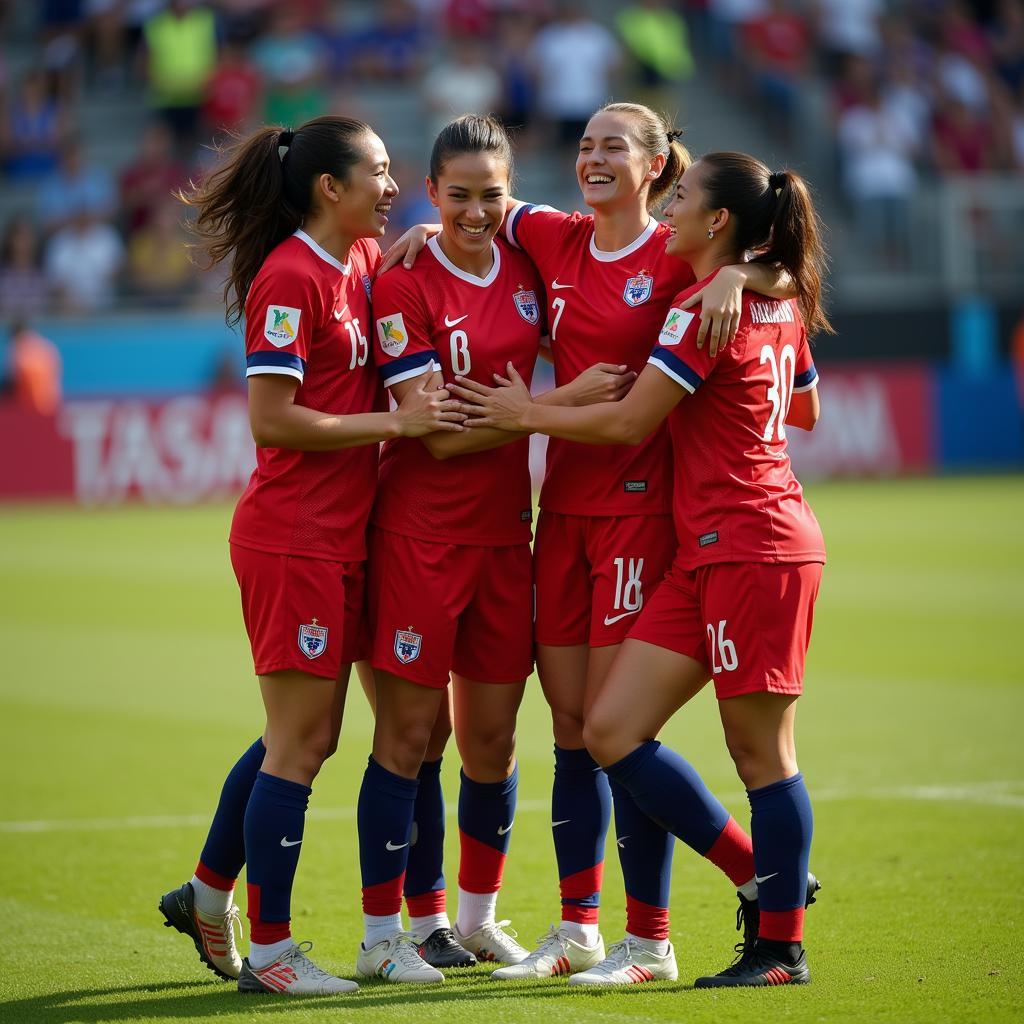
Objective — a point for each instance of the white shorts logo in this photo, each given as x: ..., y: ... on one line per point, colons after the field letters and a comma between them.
x: 392, y: 335
x: 282, y: 325
x: 312, y: 640
x: 675, y: 326
x: 407, y: 645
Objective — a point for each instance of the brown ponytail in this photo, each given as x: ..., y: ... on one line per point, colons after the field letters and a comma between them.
x: 774, y: 215
x: 656, y: 136
x: 261, y: 192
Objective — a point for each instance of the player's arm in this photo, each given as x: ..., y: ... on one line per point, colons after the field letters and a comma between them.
x: 277, y: 421
x: 804, y: 409
x: 721, y: 299
x: 629, y: 421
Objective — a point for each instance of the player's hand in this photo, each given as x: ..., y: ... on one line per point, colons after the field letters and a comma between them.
x: 407, y: 248
x: 502, y: 407
x: 602, y: 382
x: 721, y: 302
x: 425, y: 409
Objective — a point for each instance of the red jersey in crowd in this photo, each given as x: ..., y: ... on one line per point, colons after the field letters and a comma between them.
x: 602, y: 307
x: 736, y: 498
x: 436, y: 315
x: 306, y: 316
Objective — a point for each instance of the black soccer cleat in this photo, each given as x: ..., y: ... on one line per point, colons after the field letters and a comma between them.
x: 757, y: 969
x: 748, y: 916
x: 441, y: 949
x: 212, y: 935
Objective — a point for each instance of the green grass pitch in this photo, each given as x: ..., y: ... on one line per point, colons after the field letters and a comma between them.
x: 126, y: 693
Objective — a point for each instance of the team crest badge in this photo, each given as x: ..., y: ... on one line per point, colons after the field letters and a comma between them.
x: 526, y: 303
x: 312, y: 639
x: 407, y: 645
x: 638, y: 289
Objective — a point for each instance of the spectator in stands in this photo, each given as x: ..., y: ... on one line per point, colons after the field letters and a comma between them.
x: 658, y: 42
x: 233, y: 93
x: 105, y: 35
x: 74, y: 187
x: 465, y: 83
x: 23, y: 286
x: 574, y: 60
x: 82, y: 262
x: 292, y: 60
x: 394, y: 47
x: 515, y: 32
x: 34, y: 125
x: 1007, y: 42
x: 879, y: 175
x: 159, y: 269
x: 847, y: 28
x: 35, y: 370
x: 725, y: 22
x: 181, y: 54
x: 962, y: 141
x: 778, y: 46
x: 148, y: 181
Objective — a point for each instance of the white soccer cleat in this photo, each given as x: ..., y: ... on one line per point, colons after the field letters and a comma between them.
x: 396, y: 959
x: 292, y: 974
x: 212, y: 934
x: 491, y: 943
x: 629, y: 963
x: 557, y: 954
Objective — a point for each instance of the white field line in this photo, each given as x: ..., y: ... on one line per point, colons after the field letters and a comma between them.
x: 994, y: 794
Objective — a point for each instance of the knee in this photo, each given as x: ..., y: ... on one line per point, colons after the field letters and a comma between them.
x: 489, y: 752
x: 603, y: 739
x: 567, y: 726
x: 400, y: 749
x: 757, y: 766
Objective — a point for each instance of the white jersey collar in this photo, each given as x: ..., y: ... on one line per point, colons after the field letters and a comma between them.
x: 481, y: 282
x: 611, y: 257
x: 321, y: 252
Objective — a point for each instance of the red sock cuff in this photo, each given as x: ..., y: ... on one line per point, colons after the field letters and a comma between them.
x: 212, y: 879
x: 733, y: 853
x: 782, y: 925
x: 426, y: 904
x: 645, y: 920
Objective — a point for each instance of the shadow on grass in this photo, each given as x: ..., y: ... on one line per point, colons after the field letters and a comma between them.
x: 158, y: 1001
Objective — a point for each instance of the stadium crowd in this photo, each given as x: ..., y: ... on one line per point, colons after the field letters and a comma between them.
x: 918, y: 89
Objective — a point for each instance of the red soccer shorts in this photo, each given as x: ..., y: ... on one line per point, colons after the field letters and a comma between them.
x: 439, y: 608
x: 594, y: 574
x: 748, y: 622
x: 303, y: 614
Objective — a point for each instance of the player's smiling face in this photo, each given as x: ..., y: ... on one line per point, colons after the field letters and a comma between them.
x: 612, y: 167
x: 688, y: 215
x: 471, y: 195
x: 364, y: 200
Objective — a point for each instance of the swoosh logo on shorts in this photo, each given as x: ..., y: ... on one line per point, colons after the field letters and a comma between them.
x: 615, y: 618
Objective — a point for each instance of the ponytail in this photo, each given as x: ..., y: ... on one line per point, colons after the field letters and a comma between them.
x: 262, y: 191
x: 657, y: 137
x: 773, y: 215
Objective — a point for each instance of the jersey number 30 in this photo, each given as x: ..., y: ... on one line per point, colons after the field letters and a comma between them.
x: 780, y: 391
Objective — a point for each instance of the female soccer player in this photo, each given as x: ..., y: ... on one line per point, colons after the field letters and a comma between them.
x: 604, y: 539
x: 297, y: 215
x: 738, y: 602
x: 450, y: 568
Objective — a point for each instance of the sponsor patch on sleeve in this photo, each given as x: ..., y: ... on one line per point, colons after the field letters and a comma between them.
x: 392, y: 335
x: 675, y: 326
x: 282, y: 325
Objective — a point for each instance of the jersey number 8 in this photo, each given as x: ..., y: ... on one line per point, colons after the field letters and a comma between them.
x: 461, y: 362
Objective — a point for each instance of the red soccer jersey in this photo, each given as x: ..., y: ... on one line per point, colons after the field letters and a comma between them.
x: 306, y: 316
x: 603, y: 307
x: 736, y: 498
x: 436, y: 315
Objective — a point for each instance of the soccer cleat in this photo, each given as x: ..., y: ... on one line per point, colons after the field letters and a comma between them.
x: 442, y: 949
x: 629, y: 963
x: 292, y: 974
x: 748, y: 917
x: 491, y: 943
x: 396, y: 959
x: 556, y: 954
x: 759, y: 968
x: 213, y: 934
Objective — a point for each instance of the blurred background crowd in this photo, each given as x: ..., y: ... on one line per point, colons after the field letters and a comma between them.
x: 906, y: 115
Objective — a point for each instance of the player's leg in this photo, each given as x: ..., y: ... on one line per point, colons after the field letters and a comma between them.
x: 424, y: 888
x: 630, y: 556
x: 758, y: 679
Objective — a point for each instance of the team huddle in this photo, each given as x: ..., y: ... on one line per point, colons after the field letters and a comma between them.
x: 673, y: 546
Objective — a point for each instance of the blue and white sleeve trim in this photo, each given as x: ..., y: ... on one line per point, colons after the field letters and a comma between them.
x: 414, y: 365
x: 672, y: 366
x: 286, y: 363
x: 516, y: 216
x: 805, y: 381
